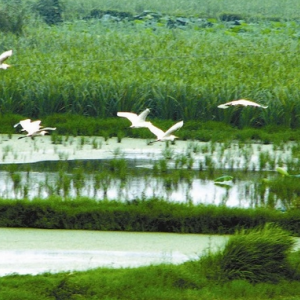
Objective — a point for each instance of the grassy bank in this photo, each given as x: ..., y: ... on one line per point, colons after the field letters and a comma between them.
x: 151, y: 215
x: 269, y: 270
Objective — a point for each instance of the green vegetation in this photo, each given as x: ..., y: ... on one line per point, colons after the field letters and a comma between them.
x: 247, y: 268
x: 76, y: 63
x: 256, y: 256
x: 75, y: 125
x: 151, y: 215
x: 97, y: 67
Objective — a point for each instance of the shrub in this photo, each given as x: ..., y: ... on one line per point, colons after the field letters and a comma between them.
x: 225, y: 16
x: 50, y: 10
x: 258, y: 255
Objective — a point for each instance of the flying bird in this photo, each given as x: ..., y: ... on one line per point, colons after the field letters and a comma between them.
x: 138, y: 121
x: 5, y: 55
x: 33, y: 128
x: 164, y: 136
x: 241, y: 102
x: 36, y: 133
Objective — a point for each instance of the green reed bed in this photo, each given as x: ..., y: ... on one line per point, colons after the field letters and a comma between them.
x: 246, y: 268
x: 151, y: 215
x: 97, y: 69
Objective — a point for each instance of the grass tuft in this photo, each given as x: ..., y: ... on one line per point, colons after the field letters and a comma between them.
x: 256, y: 255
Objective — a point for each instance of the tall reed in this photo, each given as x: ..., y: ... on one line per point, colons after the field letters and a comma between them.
x: 97, y: 69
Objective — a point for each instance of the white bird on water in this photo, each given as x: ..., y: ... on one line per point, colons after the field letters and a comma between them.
x: 33, y: 128
x: 5, y: 55
x: 138, y: 121
x: 241, y: 102
x: 164, y: 136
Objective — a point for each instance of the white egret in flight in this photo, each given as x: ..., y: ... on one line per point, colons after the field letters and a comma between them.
x: 138, y: 121
x: 241, y: 102
x: 5, y: 55
x: 164, y: 136
x: 33, y: 128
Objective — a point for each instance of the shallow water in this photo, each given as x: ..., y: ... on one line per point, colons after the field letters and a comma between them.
x: 28, y: 170
x: 33, y: 251
x: 193, y: 189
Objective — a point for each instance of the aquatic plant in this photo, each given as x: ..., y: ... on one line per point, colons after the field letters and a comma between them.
x: 284, y: 172
x: 96, y: 144
x: 78, y: 179
x: 17, y: 180
x: 225, y: 180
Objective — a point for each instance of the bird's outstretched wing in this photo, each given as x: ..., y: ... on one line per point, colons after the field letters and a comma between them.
x: 143, y: 115
x: 224, y: 106
x: 5, y: 55
x: 22, y: 122
x: 241, y: 102
x: 174, y: 128
x: 155, y: 130
x: 132, y: 117
x: 47, y: 128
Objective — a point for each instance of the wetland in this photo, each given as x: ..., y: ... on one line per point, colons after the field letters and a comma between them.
x: 231, y: 171
x: 184, y: 172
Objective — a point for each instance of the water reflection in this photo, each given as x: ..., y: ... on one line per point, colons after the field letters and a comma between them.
x: 127, y: 180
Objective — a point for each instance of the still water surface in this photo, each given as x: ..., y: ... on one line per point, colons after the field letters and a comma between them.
x: 93, y: 179
x: 33, y: 251
x: 27, y: 170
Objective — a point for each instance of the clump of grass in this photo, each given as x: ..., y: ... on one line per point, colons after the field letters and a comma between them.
x: 56, y: 139
x: 161, y: 166
x: 120, y: 136
x: 256, y: 255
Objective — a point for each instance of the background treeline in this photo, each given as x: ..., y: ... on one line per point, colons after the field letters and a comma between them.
x: 96, y: 66
x: 151, y: 215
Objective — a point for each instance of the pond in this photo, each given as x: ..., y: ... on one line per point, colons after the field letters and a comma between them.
x: 33, y: 251
x: 184, y: 172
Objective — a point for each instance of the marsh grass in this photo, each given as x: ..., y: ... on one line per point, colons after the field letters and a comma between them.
x: 138, y: 215
x: 285, y: 188
x: 113, y: 76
